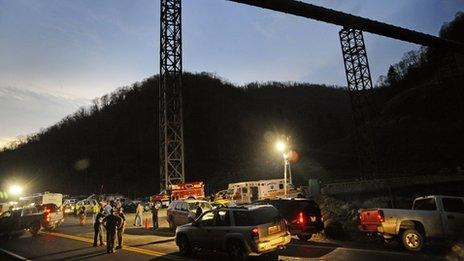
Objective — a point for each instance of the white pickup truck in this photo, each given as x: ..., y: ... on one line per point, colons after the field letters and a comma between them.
x: 431, y: 217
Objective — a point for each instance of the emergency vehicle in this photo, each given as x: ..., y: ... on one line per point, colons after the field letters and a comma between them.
x: 249, y: 191
x: 187, y: 190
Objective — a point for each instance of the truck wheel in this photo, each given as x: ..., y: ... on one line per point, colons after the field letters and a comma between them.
x: 412, y: 240
x: 304, y: 237
x: 34, y: 228
x: 185, y: 249
x: 236, y: 251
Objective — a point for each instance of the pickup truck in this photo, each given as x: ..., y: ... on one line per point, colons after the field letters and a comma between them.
x: 17, y: 220
x: 431, y: 217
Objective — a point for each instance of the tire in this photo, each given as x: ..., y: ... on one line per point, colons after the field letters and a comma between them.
x: 34, y: 228
x: 185, y: 249
x: 236, y: 251
x: 304, y: 237
x: 412, y: 240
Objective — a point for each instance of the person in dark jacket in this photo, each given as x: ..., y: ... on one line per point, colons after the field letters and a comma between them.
x: 98, y: 228
x: 154, y: 215
x: 111, y: 223
x: 121, y: 227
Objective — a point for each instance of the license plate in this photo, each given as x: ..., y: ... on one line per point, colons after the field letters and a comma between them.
x: 273, y: 229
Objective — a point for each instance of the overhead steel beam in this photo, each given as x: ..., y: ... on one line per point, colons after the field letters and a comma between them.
x: 302, y: 9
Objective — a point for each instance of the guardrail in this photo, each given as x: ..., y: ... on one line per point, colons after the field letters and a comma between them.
x: 387, y: 183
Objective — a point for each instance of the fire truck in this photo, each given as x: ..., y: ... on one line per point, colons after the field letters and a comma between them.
x: 249, y: 191
x: 187, y: 190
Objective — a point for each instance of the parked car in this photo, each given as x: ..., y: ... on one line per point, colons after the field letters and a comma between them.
x: 69, y: 205
x: 431, y: 217
x: 303, y: 215
x: 129, y: 206
x: 181, y: 212
x: 239, y: 231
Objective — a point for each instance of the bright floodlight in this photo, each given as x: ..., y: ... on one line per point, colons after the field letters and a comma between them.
x: 16, y: 190
x: 280, y: 146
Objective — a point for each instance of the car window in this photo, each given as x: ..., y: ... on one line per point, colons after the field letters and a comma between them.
x: 256, y: 217
x: 425, y: 204
x: 453, y: 205
x: 222, y: 218
x: 173, y: 205
x: 179, y: 206
x: 206, y: 219
x: 184, y: 206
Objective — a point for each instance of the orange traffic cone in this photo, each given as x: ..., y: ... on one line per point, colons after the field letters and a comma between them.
x: 146, y: 223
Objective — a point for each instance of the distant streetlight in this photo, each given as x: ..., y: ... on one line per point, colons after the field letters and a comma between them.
x: 15, y: 190
x: 282, y: 147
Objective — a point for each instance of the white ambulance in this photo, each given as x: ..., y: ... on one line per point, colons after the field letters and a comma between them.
x: 249, y: 191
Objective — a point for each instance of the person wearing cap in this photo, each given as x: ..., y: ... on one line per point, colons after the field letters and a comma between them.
x: 120, y: 230
x: 111, y: 222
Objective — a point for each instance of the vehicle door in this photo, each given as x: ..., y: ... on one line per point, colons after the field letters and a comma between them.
x: 453, y: 216
x: 202, y: 229
x: 177, y: 214
x: 183, y: 214
x: 219, y: 230
x: 6, y: 221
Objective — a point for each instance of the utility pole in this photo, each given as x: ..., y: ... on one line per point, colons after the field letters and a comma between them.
x: 171, y: 136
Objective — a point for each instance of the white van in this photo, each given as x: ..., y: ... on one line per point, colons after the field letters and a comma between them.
x: 249, y: 191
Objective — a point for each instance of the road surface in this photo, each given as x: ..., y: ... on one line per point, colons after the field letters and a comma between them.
x: 74, y: 242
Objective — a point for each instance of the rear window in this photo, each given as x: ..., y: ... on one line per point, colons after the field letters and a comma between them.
x: 256, y: 217
x: 425, y: 204
x: 453, y: 205
x: 290, y: 208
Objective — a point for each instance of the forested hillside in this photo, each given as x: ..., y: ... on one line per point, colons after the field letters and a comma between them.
x: 230, y: 131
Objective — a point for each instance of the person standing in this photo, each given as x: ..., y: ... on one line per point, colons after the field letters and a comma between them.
x: 95, y: 211
x: 111, y: 223
x: 138, y: 215
x: 121, y: 227
x: 82, y: 216
x: 107, y: 209
x: 98, y: 228
x: 154, y: 216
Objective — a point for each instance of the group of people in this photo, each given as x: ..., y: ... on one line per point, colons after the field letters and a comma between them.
x: 111, y: 218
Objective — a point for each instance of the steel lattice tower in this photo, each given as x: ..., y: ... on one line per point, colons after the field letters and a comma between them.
x: 359, y: 81
x: 171, y: 137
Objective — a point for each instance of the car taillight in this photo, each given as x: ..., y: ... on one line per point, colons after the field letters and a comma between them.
x: 300, y: 220
x: 254, y: 233
x: 47, y: 214
x: 380, y: 215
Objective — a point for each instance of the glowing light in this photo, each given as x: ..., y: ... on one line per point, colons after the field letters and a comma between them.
x: 16, y: 190
x: 280, y: 146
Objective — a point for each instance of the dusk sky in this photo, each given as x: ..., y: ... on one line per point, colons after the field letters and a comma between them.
x: 57, y: 55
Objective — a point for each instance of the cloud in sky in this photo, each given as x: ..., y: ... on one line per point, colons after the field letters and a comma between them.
x: 23, y: 112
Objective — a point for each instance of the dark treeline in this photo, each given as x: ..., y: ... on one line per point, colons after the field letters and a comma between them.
x: 230, y: 131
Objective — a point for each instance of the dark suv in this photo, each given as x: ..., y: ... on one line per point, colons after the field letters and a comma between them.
x: 303, y: 215
x: 239, y: 231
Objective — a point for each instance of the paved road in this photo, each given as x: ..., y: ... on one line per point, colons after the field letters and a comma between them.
x: 73, y: 242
